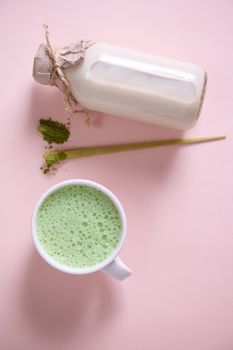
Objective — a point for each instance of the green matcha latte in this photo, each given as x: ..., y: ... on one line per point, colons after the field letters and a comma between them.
x: 78, y: 226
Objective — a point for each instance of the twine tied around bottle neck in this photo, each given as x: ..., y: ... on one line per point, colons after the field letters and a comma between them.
x: 56, y: 70
x: 50, y: 63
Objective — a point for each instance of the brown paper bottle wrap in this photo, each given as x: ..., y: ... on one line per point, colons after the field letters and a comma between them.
x: 50, y: 63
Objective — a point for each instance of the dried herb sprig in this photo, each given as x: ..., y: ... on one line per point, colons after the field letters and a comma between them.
x: 54, y: 156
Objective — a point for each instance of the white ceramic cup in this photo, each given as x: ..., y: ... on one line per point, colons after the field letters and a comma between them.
x: 113, y: 264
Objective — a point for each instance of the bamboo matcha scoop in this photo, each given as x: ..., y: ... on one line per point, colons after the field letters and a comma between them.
x: 54, y: 156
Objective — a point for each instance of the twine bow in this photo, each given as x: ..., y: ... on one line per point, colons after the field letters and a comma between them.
x: 66, y: 57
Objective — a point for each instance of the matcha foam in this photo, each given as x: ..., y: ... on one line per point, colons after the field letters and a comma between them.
x: 78, y: 226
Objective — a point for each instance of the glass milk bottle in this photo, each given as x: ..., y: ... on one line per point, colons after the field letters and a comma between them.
x: 137, y: 85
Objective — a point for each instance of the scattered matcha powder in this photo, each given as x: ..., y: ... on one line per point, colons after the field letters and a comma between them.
x: 53, y: 131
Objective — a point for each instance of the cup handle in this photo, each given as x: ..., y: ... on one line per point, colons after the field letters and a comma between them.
x: 117, y: 269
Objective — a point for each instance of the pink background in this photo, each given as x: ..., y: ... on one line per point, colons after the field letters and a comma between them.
x: 178, y: 200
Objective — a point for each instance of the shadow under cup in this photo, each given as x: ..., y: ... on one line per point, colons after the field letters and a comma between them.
x: 111, y: 264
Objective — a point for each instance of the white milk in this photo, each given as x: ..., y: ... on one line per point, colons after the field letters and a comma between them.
x: 131, y: 84
x: 138, y: 86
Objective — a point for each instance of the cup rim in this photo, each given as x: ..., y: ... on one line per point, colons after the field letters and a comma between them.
x: 74, y: 270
